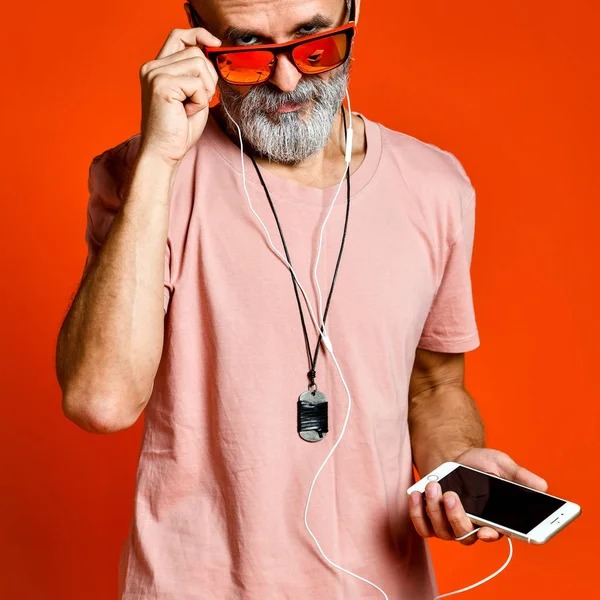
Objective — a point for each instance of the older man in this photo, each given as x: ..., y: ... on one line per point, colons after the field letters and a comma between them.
x: 186, y: 314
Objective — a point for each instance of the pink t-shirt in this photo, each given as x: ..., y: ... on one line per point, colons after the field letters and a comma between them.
x: 223, y: 475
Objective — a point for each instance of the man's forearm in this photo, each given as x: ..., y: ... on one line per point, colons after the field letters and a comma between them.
x: 443, y: 423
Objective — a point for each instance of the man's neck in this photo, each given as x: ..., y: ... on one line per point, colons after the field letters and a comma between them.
x: 324, y: 168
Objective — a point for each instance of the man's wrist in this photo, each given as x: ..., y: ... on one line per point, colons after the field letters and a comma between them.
x: 433, y: 457
x: 149, y: 160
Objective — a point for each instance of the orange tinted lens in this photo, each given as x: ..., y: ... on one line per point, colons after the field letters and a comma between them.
x: 319, y: 55
x: 246, y: 67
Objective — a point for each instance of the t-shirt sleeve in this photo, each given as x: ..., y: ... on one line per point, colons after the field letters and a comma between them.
x: 451, y: 324
x: 108, y: 178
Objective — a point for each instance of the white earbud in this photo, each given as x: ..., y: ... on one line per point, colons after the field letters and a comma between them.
x: 350, y: 132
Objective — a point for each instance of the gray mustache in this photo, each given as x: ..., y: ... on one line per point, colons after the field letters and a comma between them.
x: 268, y: 100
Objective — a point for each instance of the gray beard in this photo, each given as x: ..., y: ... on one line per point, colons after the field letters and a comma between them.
x: 287, y: 138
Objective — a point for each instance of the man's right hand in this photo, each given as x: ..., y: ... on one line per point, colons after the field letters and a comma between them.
x: 172, y: 124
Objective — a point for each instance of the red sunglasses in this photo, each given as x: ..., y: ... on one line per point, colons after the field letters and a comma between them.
x: 318, y: 53
x: 312, y: 54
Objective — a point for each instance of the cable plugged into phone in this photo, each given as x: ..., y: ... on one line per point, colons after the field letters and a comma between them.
x: 517, y: 511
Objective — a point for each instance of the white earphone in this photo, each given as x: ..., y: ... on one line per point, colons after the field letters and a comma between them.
x: 327, y: 342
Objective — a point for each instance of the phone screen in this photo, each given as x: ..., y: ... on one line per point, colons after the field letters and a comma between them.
x: 500, y: 501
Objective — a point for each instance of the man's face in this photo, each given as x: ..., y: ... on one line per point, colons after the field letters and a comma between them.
x: 288, y: 118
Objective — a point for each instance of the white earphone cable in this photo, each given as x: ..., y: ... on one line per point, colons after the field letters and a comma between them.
x: 470, y: 587
x: 327, y: 342
x: 325, y: 338
x: 348, y: 158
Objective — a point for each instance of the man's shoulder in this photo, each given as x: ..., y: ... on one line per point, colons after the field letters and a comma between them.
x: 424, y: 166
x: 120, y: 156
x: 110, y: 170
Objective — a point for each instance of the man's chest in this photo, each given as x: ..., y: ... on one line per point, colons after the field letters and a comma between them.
x: 385, y: 273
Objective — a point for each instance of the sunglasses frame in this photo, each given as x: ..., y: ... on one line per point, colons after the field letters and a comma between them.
x: 349, y: 29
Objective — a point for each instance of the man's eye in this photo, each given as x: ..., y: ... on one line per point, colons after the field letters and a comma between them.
x: 308, y: 29
x: 247, y: 40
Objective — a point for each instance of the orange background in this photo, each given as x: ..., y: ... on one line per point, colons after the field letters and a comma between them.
x: 511, y: 88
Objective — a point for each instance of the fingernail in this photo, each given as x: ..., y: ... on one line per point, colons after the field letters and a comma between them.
x: 414, y: 499
x: 432, y: 491
x: 450, y: 501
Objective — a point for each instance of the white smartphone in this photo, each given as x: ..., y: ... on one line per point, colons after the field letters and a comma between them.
x: 516, y: 510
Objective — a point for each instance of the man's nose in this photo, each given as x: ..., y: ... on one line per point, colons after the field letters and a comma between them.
x: 286, y: 76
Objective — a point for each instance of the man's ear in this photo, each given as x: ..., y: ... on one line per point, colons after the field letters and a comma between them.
x: 192, y: 15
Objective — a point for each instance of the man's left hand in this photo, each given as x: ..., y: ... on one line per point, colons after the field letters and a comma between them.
x: 444, y: 516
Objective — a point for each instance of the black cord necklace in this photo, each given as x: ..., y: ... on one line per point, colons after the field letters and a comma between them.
x: 312, y: 418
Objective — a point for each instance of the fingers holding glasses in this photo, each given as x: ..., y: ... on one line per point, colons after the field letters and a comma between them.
x: 177, y: 88
x: 188, y: 56
x: 189, y: 62
x: 179, y: 39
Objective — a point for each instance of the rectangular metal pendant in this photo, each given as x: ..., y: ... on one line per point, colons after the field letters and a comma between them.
x: 312, y: 416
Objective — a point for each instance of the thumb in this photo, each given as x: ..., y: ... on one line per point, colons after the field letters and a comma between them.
x: 509, y: 469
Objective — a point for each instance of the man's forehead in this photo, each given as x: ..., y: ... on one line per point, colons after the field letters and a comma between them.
x: 269, y: 17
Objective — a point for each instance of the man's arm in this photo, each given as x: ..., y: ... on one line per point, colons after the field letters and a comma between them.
x: 443, y: 418
x: 111, y: 341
